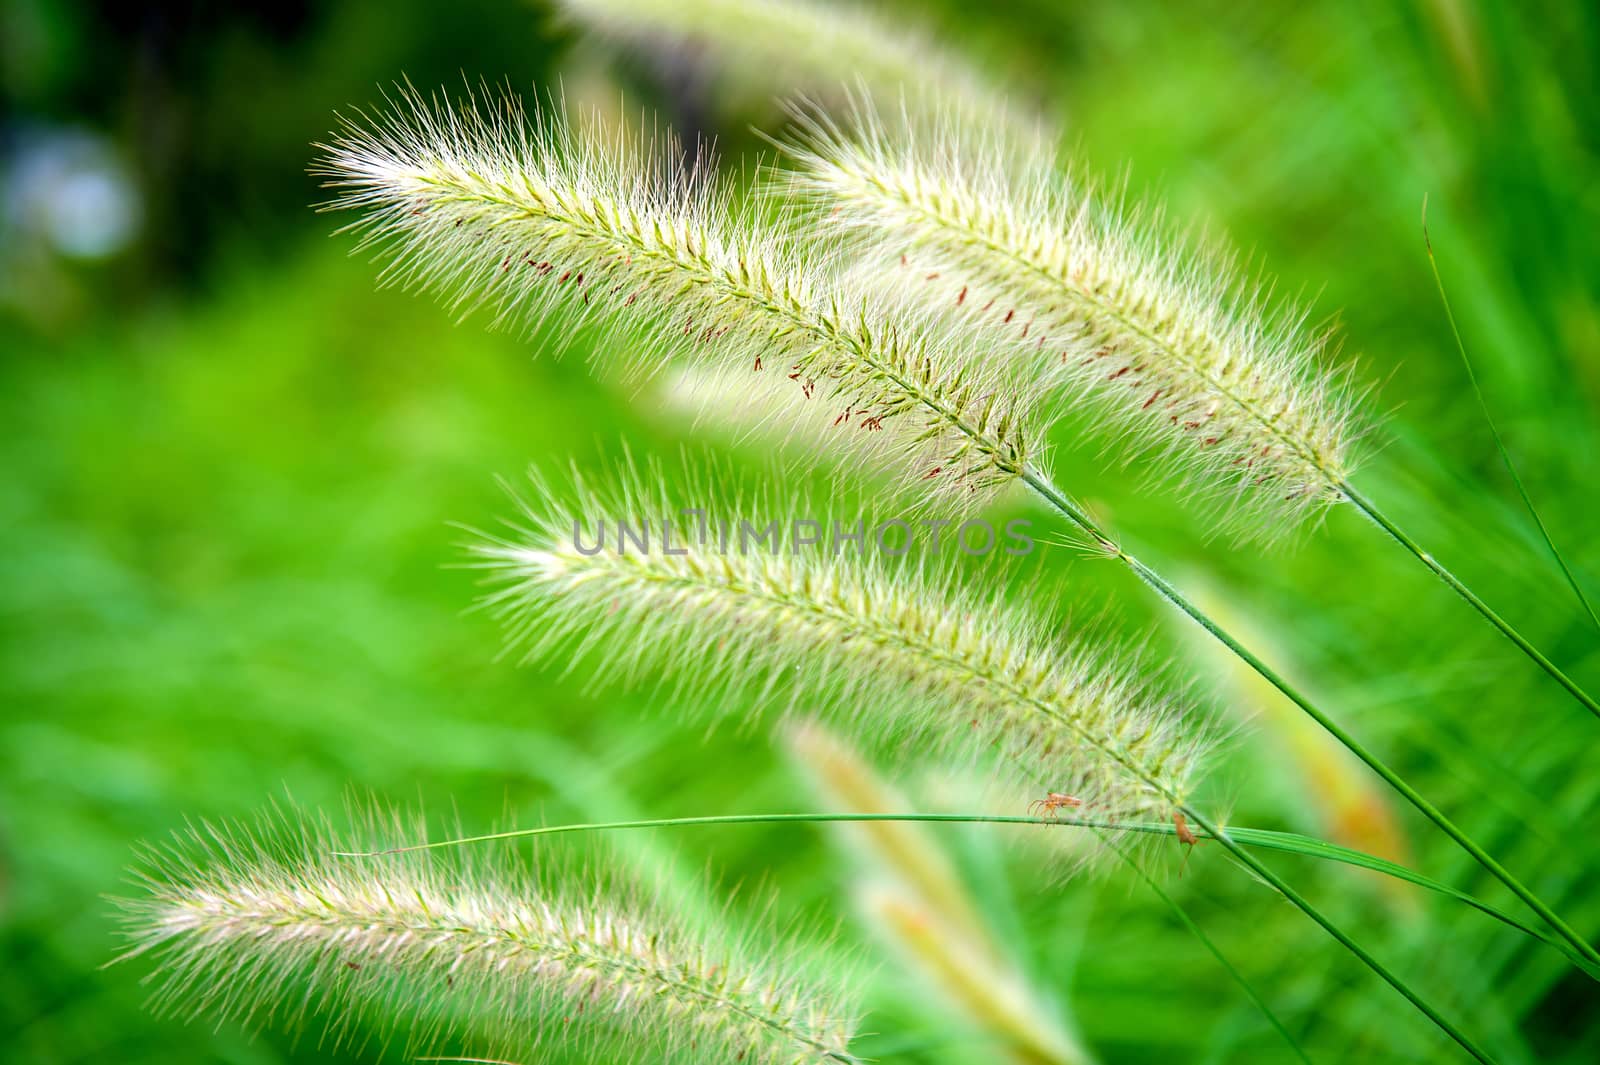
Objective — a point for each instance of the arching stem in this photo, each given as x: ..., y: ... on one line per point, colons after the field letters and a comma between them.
x: 1075, y: 514
x: 1382, y: 521
x: 1256, y: 866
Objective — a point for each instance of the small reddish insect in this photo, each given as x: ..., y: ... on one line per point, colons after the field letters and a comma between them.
x: 1185, y: 833
x: 1053, y: 801
x: 1186, y: 837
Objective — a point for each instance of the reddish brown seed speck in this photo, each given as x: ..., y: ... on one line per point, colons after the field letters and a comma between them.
x: 962, y: 297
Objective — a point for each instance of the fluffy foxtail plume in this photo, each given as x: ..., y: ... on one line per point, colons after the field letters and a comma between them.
x: 776, y: 48
x: 1165, y: 347
x: 239, y: 924
x: 532, y: 219
x: 902, y: 651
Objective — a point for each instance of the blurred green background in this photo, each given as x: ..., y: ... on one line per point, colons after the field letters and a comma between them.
x: 231, y: 464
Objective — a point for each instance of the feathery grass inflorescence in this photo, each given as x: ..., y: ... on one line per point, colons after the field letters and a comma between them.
x: 765, y: 420
x: 242, y: 919
x: 532, y: 218
x: 1164, y: 346
x: 900, y: 650
x: 772, y: 49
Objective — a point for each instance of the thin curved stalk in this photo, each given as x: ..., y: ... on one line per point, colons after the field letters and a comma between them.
x: 1208, y: 828
x: 1265, y: 839
x: 1378, y: 518
x: 1255, y: 865
x: 1057, y: 499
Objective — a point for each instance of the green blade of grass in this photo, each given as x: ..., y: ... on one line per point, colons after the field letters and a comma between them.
x: 1494, y: 430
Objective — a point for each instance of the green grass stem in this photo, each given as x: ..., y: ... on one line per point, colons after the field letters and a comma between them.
x: 1057, y: 499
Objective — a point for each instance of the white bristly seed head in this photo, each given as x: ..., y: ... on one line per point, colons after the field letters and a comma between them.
x: 533, y: 219
x: 241, y: 923
x: 902, y: 651
x: 1166, y: 347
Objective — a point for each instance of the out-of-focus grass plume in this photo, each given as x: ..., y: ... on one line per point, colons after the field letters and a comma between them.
x: 911, y: 897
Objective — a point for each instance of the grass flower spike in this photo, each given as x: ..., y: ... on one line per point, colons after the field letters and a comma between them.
x: 1162, y: 346
x: 238, y: 922
x: 903, y: 651
x: 534, y: 219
